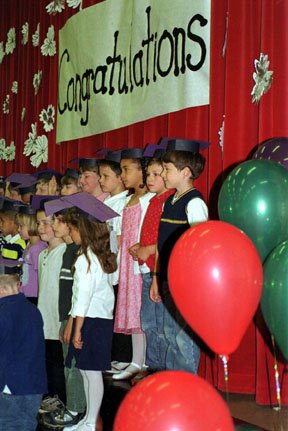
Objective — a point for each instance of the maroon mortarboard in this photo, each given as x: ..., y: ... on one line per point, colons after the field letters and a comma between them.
x: 17, y: 178
x: 132, y: 153
x: 90, y: 206
x: 37, y: 201
x: 190, y: 145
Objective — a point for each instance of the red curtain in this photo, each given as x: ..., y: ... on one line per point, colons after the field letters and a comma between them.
x: 240, y: 31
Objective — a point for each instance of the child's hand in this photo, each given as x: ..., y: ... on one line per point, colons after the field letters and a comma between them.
x: 77, y: 340
x: 154, y: 291
x: 143, y: 253
x: 52, y: 187
x: 133, y: 251
x: 67, y: 331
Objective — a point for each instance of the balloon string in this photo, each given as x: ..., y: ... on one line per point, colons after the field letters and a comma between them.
x: 278, y: 389
x: 225, y: 360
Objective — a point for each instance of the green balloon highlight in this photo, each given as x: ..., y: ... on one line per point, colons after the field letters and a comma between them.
x: 254, y: 197
x: 274, y: 300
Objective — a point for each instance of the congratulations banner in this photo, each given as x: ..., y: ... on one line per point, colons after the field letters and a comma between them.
x: 124, y: 61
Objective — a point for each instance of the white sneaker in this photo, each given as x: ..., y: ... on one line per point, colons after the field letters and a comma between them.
x: 117, y: 366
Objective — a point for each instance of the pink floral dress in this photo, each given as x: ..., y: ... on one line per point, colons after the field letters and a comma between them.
x: 127, y: 316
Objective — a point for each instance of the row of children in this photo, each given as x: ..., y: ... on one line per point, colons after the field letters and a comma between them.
x: 152, y: 202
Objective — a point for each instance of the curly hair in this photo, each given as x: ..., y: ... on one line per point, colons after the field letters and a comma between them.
x: 94, y: 235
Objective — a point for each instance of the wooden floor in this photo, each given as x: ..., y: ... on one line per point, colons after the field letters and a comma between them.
x: 246, y: 414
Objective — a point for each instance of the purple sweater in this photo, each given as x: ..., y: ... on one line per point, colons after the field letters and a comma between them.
x: 30, y: 269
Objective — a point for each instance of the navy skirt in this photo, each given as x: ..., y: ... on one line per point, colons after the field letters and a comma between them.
x: 95, y: 354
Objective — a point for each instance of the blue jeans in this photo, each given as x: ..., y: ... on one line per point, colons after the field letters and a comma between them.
x: 19, y: 412
x: 152, y: 321
x: 182, y: 353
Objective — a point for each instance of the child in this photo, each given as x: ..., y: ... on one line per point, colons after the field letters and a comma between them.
x: 182, y: 165
x: 127, y: 318
x: 92, y: 307
x: 152, y: 312
x: 49, y: 265
x: 70, y: 183
x: 14, y: 246
x: 89, y: 178
x: 111, y: 182
x: 22, y: 358
x: 27, y: 228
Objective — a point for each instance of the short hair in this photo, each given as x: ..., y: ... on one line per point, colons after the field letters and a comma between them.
x: 67, y: 179
x: 30, y: 221
x: 9, y: 282
x: 9, y: 213
x: 94, y: 169
x: 185, y: 159
x: 114, y: 166
x: 154, y: 161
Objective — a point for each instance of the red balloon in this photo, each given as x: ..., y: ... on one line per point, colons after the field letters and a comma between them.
x: 173, y: 401
x: 215, y: 277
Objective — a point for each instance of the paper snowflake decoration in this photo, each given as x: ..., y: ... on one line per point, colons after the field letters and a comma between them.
x: 37, y: 81
x: 56, y: 6
x: 6, y: 104
x: 23, y: 113
x: 30, y: 143
x: 49, y: 44
x: 74, y: 3
x: 262, y: 78
x: 40, y: 151
x: 9, y: 152
x: 25, y: 33
x: 14, y: 87
x: 221, y: 135
x: 47, y: 116
x: 35, y: 36
x: 11, y: 41
x: 2, y: 147
x: 2, y: 52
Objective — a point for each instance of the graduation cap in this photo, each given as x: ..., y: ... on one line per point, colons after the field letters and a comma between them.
x: 17, y: 178
x: 47, y: 174
x: 7, y: 204
x: 87, y: 204
x: 72, y: 173
x: 114, y: 156
x: 28, y: 186
x: 2, y: 183
x: 132, y: 153
x: 88, y: 163
x: 27, y: 210
x: 37, y: 201
x: 190, y: 145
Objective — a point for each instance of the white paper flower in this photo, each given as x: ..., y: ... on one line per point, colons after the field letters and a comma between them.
x: 14, y: 87
x: 2, y: 52
x: 37, y: 81
x: 9, y: 152
x: 11, y: 41
x: 47, y: 116
x: 49, y: 44
x: 262, y: 78
x: 2, y: 147
x: 6, y: 104
x: 74, y: 3
x: 25, y: 33
x: 30, y: 143
x: 35, y: 36
x: 55, y: 6
x: 23, y: 113
x: 41, y: 151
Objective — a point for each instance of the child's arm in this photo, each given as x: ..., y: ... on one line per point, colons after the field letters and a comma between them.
x: 77, y: 339
x: 144, y: 252
x: 133, y: 250
x: 68, y: 330
x: 154, y: 288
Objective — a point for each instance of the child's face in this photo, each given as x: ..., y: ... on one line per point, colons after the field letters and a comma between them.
x: 23, y: 231
x: 74, y: 234
x: 44, y: 224
x: 15, y: 195
x: 131, y: 174
x: 69, y: 189
x: 109, y: 181
x: 173, y: 177
x: 89, y: 181
x: 60, y: 228
x: 42, y: 189
x: 8, y: 225
x: 154, y: 181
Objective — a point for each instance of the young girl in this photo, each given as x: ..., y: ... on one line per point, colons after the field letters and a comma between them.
x: 92, y: 308
x: 127, y: 317
x: 27, y: 228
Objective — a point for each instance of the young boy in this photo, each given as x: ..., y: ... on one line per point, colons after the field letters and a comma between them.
x: 152, y: 313
x: 111, y: 183
x: 182, y: 164
x: 49, y: 265
x: 89, y: 178
x: 22, y: 358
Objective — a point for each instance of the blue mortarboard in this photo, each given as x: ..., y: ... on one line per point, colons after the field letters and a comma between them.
x: 88, y: 163
x: 114, y: 156
x: 7, y: 204
x: 90, y: 206
x: 27, y: 209
x: 71, y: 173
x: 192, y: 146
x: 132, y: 153
x: 38, y: 201
x: 17, y: 178
x: 47, y: 174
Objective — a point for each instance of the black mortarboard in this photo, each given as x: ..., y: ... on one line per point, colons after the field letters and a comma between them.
x: 7, y: 204
x: 114, y: 156
x: 71, y: 173
x: 190, y: 145
x: 88, y: 163
x: 28, y: 186
x: 38, y: 201
x: 47, y: 174
x: 27, y: 209
x: 2, y: 183
x: 132, y: 153
x: 88, y: 204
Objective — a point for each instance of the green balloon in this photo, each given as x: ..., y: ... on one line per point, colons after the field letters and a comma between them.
x: 274, y: 300
x: 254, y: 198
